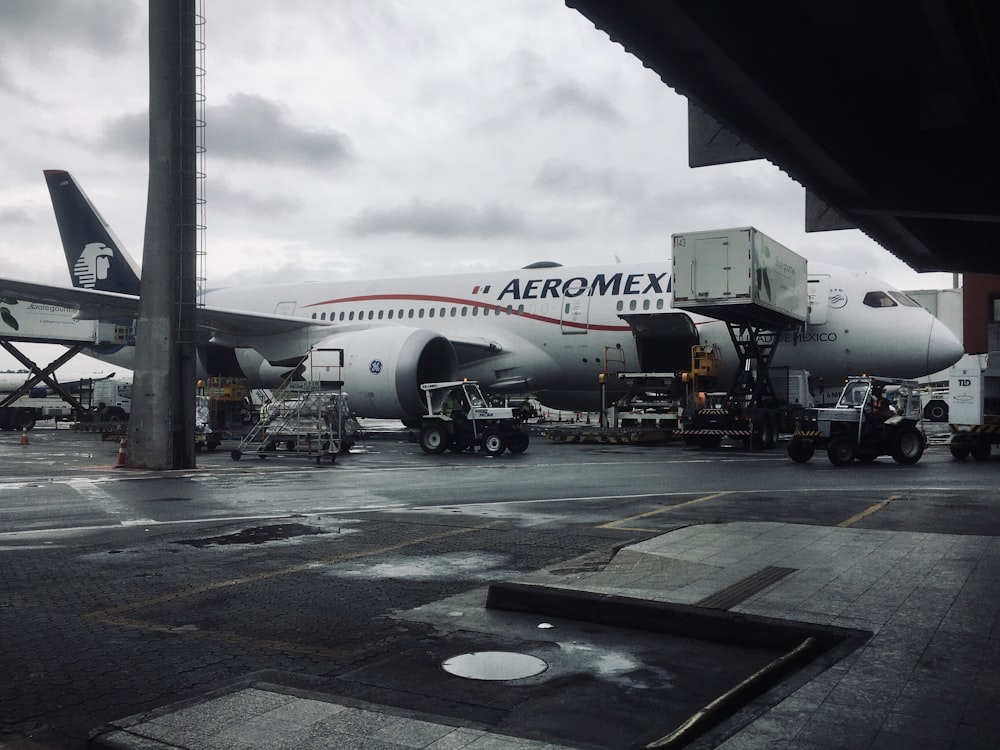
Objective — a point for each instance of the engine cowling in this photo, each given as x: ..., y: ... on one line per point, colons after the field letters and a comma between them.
x: 383, y: 368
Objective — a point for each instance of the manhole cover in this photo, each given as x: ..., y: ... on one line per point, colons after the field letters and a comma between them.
x: 494, y: 665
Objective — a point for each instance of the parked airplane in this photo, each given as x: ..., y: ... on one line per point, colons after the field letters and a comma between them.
x: 545, y: 329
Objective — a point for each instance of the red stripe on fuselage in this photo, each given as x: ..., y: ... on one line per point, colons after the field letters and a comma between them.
x: 467, y: 303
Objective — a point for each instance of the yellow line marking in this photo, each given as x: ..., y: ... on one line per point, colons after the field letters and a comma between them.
x: 868, y: 511
x: 658, y: 511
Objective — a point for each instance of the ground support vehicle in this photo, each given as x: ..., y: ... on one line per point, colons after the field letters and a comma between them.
x: 459, y: 418
x: 305, y: 418
x: 975, y: 408
x: 102, y: 405
x: 652, y: 400
x: 873, y: 417
x: 756, y: 420
x: 205, y: 438
x: 760, y: 289
x: 308, y: 424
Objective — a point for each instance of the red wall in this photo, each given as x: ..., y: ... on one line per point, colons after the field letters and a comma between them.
x: 976, y: 309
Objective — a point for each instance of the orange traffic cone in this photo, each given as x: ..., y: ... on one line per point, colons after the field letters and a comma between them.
x: 121, y: 455
x: 24, y: 436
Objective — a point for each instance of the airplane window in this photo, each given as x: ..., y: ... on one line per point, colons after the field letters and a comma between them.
x: 632, y: 306
x: 442, y: 312
x: 621, y: 305
x: 410, y: 314
x: 371, y: 314
x: 659, y: 304
x: 879, y: 299
x: 430, y: 313
x: 510, y: 309
x: 390, y: 314
x: 645, y: 304
x: 351, y: 316
x: 420, y: 313
x: 475, y: 311
x: 314, y: 316
x: 567, y: 308
x: 453, y: 311
x: 904, y: 300
x: 520, y: 309
x: 400, y: 313
x: 465, y: 311
x: 341, y: 314
x: 486, y: 311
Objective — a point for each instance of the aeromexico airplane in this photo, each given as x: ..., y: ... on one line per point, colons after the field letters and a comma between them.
x: 545, y: 329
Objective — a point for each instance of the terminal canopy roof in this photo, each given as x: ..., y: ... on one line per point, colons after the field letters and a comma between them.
x: 887, y: 112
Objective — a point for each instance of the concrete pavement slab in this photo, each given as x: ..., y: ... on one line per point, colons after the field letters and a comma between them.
x: 928, y: 676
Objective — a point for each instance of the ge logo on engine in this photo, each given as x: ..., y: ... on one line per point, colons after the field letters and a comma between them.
x: 375, y: 367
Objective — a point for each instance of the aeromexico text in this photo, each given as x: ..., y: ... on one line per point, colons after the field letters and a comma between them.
x: 576, y: 286
x: 799, y: 337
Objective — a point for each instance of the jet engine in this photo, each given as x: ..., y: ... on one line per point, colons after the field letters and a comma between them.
x: 383, y: 368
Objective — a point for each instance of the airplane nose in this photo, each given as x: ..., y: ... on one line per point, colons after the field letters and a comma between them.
x: 943, y: 347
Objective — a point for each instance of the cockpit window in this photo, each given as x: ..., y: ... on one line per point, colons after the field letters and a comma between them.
x: 879, y: 299
x: 904, y: 300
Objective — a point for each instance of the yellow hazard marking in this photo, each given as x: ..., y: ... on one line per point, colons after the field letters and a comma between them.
x: 658, y: 511
x: 868, y: 511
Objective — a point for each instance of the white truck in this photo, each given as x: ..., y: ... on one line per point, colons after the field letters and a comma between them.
x: 974, y: 390
x: 105, y: 400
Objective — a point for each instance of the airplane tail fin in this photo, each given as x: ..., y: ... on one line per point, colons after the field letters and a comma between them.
x: 94, y: 255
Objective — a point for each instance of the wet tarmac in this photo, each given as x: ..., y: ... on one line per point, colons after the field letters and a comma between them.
x: 575, y: 596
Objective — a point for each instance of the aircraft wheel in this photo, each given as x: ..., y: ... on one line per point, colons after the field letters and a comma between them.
x: 840, y: 451
x: 493, y: 443
x: 433, y: 439
x: 907, y: 445
x: 236, y: 454
x: 799, y: 452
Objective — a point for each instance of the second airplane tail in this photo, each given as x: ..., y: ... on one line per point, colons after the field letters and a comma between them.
x: 94, y: 255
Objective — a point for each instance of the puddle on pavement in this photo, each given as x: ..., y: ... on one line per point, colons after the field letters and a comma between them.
x: 494, y: 665
x: 256, y: 535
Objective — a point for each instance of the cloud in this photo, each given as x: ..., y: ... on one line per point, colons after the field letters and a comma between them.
x: 251, y: 128
x: 572, y: 99
x: 571, y: 179
x: 14, y: 216
x: 98, y: 26
x: 222, y: 195
x: 441, y: 220
x: 127, y: 134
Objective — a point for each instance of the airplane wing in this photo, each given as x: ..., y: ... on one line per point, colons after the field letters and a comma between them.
x: 90, y: 304
x: 276, y: 337
x: 273, y: 335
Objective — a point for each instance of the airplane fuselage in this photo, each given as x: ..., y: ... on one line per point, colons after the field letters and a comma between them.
x: 555, y: 329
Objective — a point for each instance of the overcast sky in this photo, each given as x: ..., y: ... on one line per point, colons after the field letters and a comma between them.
x: 365, y: 138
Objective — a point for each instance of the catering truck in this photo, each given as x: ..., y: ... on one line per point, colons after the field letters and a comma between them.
x: 760, y: 289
